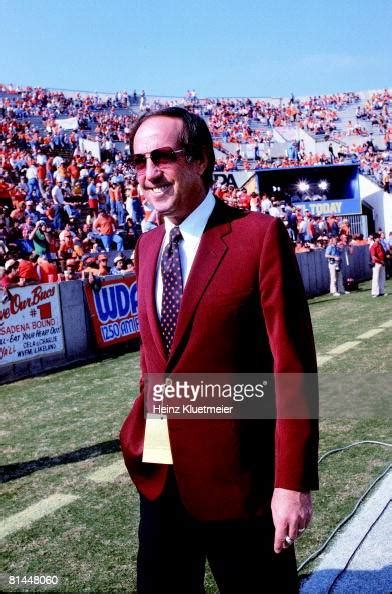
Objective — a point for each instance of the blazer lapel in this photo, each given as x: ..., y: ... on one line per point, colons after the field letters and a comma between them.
x: 211, y: 250
x: 148, y: 277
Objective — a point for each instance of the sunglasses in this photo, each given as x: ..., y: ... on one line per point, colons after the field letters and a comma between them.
x: 160, y: 157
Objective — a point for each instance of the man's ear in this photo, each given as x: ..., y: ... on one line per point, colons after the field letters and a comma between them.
x: 201, y: 161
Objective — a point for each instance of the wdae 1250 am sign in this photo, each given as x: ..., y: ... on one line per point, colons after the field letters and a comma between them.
x: 113, y: 310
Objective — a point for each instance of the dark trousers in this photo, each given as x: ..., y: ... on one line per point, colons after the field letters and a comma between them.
x: 173, y: 548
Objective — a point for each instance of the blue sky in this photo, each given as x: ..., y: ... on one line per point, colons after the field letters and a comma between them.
x: 220, y: 48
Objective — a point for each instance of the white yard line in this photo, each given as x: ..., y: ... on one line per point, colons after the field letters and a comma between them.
x: 351, y: 344
x: 35, y: 512
x: 370, y: 333
x: 109, y: 473
x: 345, y: 346
x: 321, y: 359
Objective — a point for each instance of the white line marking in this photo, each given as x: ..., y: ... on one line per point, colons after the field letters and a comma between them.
x: 35, y: 512
x: 345, y: 346
x: 370, y: 333
x: 321, y: 359
x: 109, y: 473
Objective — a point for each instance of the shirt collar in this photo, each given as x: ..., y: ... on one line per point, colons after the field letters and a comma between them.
x: 193, y: 226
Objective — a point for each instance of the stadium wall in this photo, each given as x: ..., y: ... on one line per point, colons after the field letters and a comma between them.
x: 79, y: 341
x: 379, y: 201
x: 314, y: 269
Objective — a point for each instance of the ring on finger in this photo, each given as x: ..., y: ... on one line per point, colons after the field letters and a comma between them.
x: 288, y: 540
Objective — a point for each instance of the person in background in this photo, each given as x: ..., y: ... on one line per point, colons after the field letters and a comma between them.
x: 92, y: 196
x: 66, y: 246
x: 378, y: 256
x: 387, y: 245
x: 11, y: 276
x: 47, y: 271
x: 103, y: 268
x: 31, y: 211
x: 119, y: 265
x: 105, y: 226
x: 89, y: 264
x: 28, y: 269
x: 40, y: 238
x: 70, y: 271
x: 333, y: 254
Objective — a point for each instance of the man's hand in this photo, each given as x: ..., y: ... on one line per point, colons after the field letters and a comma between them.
x: 291, y: 513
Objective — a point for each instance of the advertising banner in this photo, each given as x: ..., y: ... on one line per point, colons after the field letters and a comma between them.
x: 113, y: 310
x: 68, y: 123
x: 329, y: 207
x: 236, y: 178
x: 90, y: 146
x: 30, y: 323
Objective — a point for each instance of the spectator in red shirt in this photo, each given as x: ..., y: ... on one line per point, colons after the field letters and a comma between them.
x: 47, y: 271
x: 11, y: 276
x: 18, y: 214
x: 28, y: 269
x: 66, y: 246
x: 378, y: 256
x: 74, y: 172
x: 41, y: 176
x: 105, y: 225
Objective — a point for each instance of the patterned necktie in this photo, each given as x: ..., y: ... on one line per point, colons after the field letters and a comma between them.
x: 172, y: 286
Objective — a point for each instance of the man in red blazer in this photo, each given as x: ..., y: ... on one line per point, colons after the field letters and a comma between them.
x: 235, y: 492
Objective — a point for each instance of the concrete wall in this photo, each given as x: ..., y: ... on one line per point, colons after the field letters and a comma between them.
x: 373, y: 195
x: 78, y: 336
x: 277, y: 137
x: 309, y: 142
x: 387, y: 202
x: 321, y: 147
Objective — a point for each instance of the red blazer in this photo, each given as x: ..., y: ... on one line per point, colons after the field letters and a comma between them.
x: 243, y: 310
x: 377, y: 253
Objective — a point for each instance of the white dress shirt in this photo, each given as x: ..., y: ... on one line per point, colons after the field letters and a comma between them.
x: 191, y: 230
x: 156, y: 437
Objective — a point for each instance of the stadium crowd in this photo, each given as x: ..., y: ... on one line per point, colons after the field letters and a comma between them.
x: 64, y: 211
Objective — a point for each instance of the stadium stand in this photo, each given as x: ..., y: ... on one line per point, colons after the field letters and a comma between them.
x: 64, y: 159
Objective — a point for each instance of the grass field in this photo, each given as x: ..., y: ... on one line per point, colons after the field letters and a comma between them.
x: 63, y: 424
